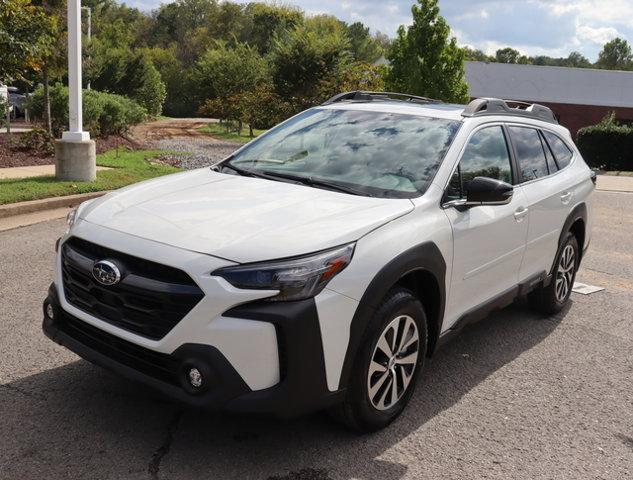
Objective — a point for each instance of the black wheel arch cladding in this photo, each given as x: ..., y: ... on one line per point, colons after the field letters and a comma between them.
x: 578, y: 213
x: 425, y: 257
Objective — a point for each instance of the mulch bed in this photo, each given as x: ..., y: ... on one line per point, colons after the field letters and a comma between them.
x: 12, y: 155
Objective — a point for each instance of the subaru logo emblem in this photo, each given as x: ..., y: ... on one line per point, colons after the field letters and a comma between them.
x: 106, y: 273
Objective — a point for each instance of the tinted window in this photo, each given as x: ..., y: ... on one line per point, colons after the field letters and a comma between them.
x: 380, y: 153
x: 530, y: 153
x: 485, y: 155
x: 561, y: 151
x: 551, y: 163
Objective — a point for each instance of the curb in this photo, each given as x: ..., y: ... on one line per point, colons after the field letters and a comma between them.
x: 21, y: 208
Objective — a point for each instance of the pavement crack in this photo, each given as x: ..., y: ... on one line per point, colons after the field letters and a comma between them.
x: 154, y: 465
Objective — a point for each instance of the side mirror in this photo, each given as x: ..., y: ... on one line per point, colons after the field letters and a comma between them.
x: 488, y: 191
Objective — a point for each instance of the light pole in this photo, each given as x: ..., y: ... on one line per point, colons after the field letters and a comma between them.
x: 75, y: 152
x: 89, y: 19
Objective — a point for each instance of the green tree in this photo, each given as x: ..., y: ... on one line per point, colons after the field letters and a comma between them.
x: 363, y: 46
x: 267, y: 20
x: 23, y: 29
x: 577, y: 60
x: 301, y: 58
x: 425, y: 60
x: 224, y: 71
x: 510, y: 55
x: 476, y: 55
x: 616, y: 55
x: 358, y: 76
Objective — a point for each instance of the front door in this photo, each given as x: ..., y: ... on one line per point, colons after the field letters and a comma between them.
x: 488, y: 240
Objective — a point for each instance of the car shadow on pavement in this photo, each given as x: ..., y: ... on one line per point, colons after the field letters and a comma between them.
x: 79, y: 421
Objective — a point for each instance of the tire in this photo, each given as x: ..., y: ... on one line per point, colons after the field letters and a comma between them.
x: 369, y: 404
x: 553, y: 298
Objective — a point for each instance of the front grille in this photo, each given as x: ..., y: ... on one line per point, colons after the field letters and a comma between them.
x: 149, y: 300
x: 157, y: 365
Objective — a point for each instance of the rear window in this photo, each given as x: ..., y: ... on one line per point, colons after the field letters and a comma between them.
x: 560, y: 150
x: 530, y: 154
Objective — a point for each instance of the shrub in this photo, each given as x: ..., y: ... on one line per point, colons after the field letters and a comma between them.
x: 607, y: 145
x: 103, y: 113
x: 38, y: 141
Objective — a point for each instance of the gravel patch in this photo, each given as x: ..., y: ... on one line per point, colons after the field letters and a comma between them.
x: 201, y: 152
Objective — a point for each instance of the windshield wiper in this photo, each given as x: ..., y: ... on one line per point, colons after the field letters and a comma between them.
x: 313, y: 182
x: 308, y: 181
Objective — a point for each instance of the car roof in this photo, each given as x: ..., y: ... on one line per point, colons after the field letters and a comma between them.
x: 446, y: 111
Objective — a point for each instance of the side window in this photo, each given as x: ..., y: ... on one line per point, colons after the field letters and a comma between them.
x: 560, y: 150
x: 485, y: 155
x: 551, y: 163
x: 530, y: 154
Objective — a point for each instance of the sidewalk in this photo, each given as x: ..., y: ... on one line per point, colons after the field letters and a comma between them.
x: 34, y: 171
x: 612, y: 183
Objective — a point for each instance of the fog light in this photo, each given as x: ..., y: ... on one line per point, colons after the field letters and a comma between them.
x: 50, y: 312
x: 195, y: 377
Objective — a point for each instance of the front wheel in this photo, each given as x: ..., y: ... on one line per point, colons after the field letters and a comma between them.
x: 551, y: 299
x: 387, y: 366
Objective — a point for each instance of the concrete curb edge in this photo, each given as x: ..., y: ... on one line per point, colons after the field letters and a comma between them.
x: 21, y: 208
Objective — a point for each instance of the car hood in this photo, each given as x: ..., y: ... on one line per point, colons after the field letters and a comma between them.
x: 242, y: 219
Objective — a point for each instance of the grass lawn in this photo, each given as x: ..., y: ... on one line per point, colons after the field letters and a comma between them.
x: 128, y: 167
x: 219, y: 131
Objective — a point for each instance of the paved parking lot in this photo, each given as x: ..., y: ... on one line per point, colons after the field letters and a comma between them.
x: 514, y: 397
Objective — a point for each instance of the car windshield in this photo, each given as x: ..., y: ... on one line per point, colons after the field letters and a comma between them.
x: 363, y: 152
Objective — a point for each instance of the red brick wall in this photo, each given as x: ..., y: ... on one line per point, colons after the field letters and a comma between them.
x: 574, y: 117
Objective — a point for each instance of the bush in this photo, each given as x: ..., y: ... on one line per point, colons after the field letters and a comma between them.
x: 103, y: 113
x: 607, y: 145
x: 37, y: 141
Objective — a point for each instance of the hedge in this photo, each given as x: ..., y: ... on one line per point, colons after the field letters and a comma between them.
x: 607, y: 145
x: 103, y: 113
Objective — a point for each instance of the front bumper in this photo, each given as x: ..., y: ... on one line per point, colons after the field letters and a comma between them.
x: 302, y: 387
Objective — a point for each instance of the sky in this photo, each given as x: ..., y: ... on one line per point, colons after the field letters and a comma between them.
x: 534, y: 27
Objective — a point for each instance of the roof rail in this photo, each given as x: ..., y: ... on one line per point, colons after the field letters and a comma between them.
x: 365, y: 96
x: 496, y: 106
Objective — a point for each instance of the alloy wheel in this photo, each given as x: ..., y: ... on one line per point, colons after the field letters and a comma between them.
x: 393, y: 362
x: 565, y: 273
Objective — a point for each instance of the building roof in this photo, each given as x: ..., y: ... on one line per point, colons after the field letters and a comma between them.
x: 536, y: 83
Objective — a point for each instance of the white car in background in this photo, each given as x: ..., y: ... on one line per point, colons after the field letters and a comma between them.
x: 321, y: 264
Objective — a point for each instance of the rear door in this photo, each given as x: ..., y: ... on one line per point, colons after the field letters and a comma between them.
x: 548, y: 195
x: 488, y: 241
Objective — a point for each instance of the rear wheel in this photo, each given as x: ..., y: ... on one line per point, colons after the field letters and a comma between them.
x: 387, y: 366
x: 551, y: 299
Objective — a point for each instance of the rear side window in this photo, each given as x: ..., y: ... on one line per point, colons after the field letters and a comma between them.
x: 551, y: 163
x: 560, y: 150
x: 530, y: 154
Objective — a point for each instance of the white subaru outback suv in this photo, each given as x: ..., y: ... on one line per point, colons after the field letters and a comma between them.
x: 322, y: 263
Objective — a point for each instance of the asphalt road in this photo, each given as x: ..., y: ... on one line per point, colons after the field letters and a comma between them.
x: 514, y: 397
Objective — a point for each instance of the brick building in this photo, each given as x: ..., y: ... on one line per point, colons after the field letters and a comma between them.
x: 578, y: 96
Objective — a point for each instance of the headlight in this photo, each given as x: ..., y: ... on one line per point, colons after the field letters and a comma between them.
x: 71, y: 217
x: 296, y: 279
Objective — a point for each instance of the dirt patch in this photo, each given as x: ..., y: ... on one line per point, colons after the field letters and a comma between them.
x: 117, y: 141
x: 173, y: 127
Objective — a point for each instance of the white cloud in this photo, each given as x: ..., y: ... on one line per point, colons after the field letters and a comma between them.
x: 599, y: 35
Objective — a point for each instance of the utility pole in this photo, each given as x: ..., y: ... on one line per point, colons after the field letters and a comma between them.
x: 75, y: 153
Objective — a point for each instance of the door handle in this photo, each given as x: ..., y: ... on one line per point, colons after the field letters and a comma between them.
x: 520, y: 213
x: 565, y: 198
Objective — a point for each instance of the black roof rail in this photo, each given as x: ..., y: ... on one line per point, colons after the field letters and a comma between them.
x: 496, y: 106
x: 365, y: 96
